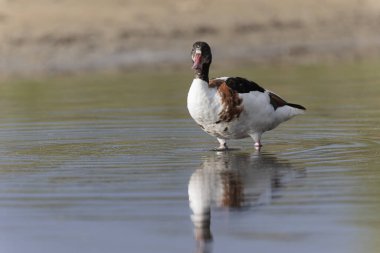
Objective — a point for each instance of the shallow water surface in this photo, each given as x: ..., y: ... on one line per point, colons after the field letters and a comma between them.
x: 114, y: 164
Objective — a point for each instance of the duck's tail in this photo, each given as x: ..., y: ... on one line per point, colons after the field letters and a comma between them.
x: 283, y: 109
x: 288, y: 111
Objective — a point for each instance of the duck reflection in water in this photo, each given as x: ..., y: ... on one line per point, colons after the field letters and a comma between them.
x: 233, y: 181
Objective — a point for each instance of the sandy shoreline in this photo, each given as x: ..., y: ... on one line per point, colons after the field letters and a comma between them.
x: 66, y: 36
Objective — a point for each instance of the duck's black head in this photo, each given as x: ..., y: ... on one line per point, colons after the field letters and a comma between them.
x: 202, y: 58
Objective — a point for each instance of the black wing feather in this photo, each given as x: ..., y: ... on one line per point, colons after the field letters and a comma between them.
x: 242, y: 85
x: 277, y: 102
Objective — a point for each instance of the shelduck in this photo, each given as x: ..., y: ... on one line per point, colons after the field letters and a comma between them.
x: 233, y: 107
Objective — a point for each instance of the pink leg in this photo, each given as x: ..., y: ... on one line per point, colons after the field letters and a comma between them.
x: 258, y: 145
x: 256, y: 138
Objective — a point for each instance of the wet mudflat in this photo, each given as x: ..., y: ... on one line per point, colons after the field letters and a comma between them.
x: 113, y: 163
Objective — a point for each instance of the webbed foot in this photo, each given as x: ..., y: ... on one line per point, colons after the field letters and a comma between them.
x: 220, y: 149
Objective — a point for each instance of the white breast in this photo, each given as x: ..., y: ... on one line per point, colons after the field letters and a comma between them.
x: 203, y: 103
